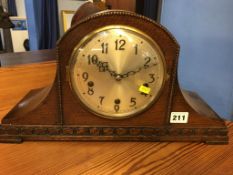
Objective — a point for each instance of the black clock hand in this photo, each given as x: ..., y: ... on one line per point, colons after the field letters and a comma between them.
x: 133, y: 72
x: 104, y: 66
x: 136, y: 71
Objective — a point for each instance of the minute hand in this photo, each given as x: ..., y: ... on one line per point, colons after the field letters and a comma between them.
x: 104, y: 66
x: 133, y: 72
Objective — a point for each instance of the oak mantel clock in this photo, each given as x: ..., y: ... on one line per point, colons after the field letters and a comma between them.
x: 116, y: 80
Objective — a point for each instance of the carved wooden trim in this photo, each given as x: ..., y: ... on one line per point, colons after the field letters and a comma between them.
x: 87, y: 131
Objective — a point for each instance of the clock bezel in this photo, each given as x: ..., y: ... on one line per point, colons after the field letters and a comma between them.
x: 132, y: 113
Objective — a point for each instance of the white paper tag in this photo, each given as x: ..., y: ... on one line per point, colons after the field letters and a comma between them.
x: 179, y: 117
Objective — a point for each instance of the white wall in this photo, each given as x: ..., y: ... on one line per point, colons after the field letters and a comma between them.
x: 19, y: 36
x: 20, y: 5
x: 72, y: 5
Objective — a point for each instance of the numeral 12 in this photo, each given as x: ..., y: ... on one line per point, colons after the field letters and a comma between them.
x: 120, y: 44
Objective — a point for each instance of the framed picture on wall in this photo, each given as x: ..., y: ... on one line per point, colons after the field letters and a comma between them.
x: 20, y: 23
x: 67, y: 16
x: 19, y: 33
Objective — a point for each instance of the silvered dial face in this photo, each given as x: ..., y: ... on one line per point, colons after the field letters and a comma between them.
x: 117, y: 72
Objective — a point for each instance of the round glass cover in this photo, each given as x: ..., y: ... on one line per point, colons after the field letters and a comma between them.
x: 117, y: 71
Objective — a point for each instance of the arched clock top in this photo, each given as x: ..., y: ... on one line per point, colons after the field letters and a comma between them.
x: 119, y: 17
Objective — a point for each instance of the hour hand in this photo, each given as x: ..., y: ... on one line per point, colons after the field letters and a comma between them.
x: 133, y: 72
x: 103, y: 66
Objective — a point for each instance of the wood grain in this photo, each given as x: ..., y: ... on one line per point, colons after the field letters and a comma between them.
x: 74, y: 113
x: 129, y: 5
x: 127, y: 158
x: 17, y: 81
x: 63, y: 110
x: 19, y: 58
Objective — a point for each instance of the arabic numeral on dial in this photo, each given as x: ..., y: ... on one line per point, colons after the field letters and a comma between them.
x: 92, y: 59
x: 117, y: 104
x: 90, y: 85
x: 120, y: 44
x: 90, y: 91
x: 101, y: 98
x: 133, y: 102
x: 116, y: 107
x: 152, y: 76
x: 136, y: 49
x: 103, y: 66
x: 104, y: 48
x: 85, y: 76
x: 147, y: 61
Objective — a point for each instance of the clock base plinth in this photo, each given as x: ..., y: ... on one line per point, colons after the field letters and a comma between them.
x: 11, y: 139
x: 36, y: 126
x: 20, y: 133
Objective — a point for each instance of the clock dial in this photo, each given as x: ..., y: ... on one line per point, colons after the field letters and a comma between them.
x: 117, y: 72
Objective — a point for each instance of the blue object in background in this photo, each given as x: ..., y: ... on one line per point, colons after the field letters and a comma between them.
x: 43, y: 24
x: 204, y: 29
x: 12, y: 10
x: 32, y: 26
x: 20, y: 24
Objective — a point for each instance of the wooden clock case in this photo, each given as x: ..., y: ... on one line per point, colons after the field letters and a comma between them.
x: 62, y: 117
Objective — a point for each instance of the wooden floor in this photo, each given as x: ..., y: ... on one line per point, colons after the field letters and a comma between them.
x: 116, y: 158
